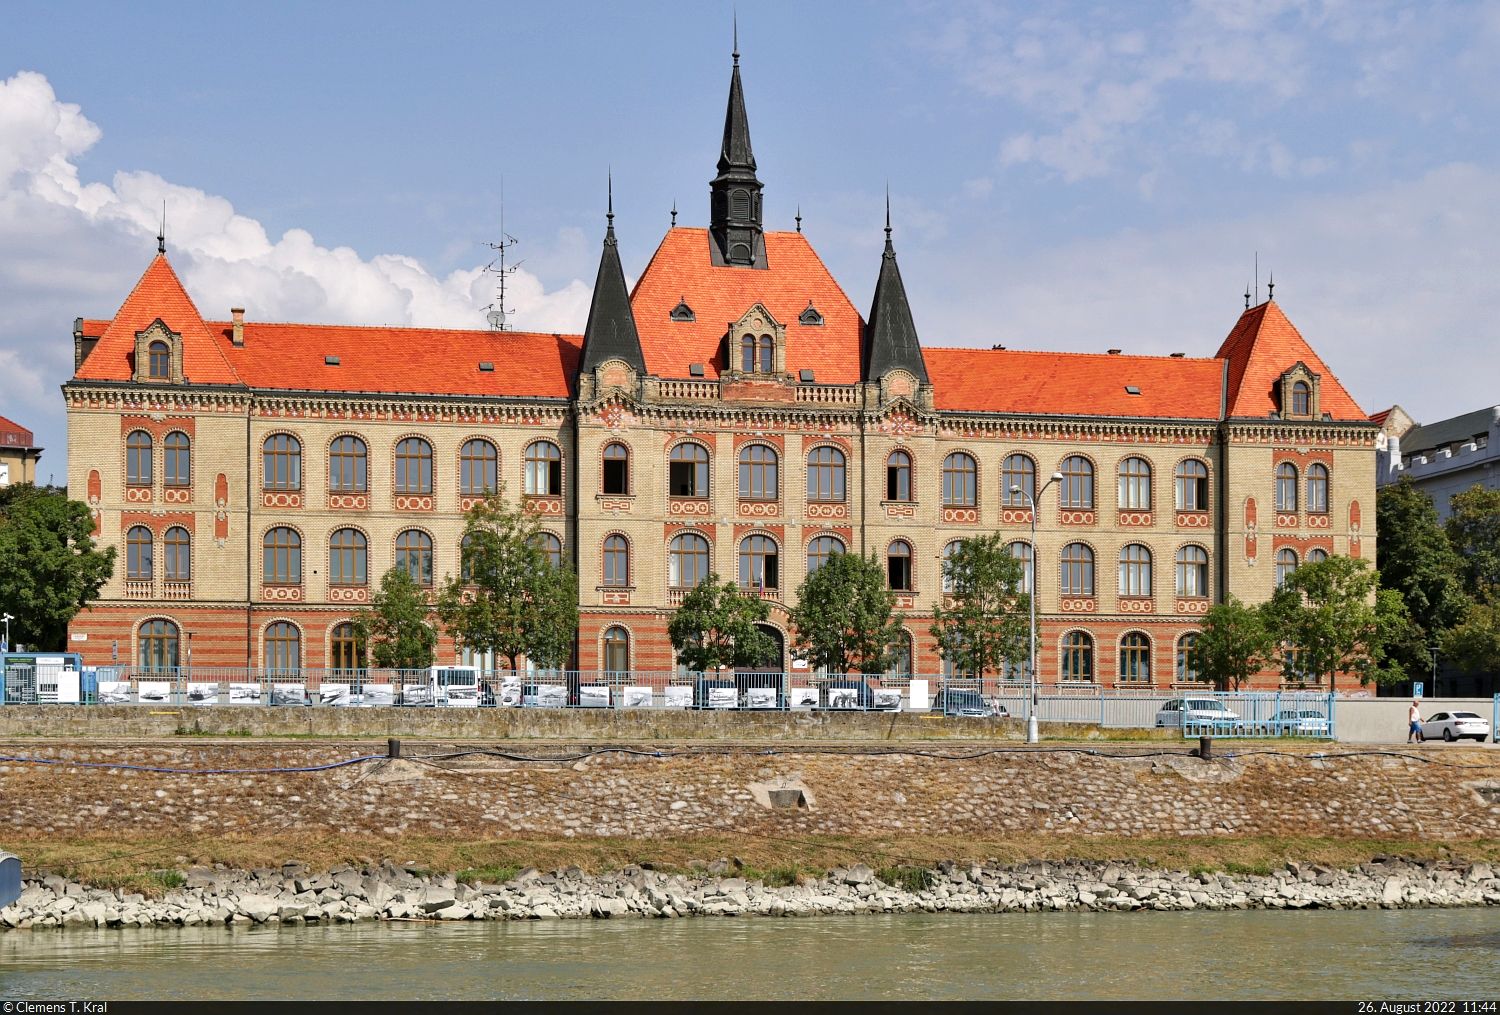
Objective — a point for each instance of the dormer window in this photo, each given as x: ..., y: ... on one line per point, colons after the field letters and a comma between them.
x: 1301, y: 398
x: 757, y: 354
x: 756, y: 344
x: 1298, y: 394
x: 810, y: 317
x: 161, y: 361
x: 683, y: 312
x: 158, y: 355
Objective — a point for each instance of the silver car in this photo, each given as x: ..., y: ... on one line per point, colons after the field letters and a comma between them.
x: 1304, y: 722
x: 1196, y: 711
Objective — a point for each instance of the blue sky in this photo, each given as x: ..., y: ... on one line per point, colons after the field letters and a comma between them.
x: 1062, y: 176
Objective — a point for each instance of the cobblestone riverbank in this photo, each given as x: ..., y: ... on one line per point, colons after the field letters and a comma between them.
x: 295, y: 895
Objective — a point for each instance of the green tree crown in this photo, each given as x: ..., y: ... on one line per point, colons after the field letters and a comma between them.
x: 843, y: 617
x: 715, y: 628
x: 986, y: 624
x: 50, y: 567
x: 395, y: 627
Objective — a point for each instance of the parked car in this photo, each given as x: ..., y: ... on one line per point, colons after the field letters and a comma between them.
x: 954, y: 701
x: 1303, y: 722
x: 1453, y: 726
x: 1197, y: 711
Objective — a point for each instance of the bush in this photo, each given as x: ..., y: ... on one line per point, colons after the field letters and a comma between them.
x: 912, y: 879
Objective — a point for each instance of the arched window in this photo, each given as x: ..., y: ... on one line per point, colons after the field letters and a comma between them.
x: 616, y: 479
x: 1192, y: 572
x: 345, y: 651
x: 466, y: 558
x: 1301, y: 399
x: 1022, y: 552
x: 820, y: 549
x: 1077, y: 662
x: 687, y: 561
x: 898, y: 476
x: 348, y: 558
x: 1286, y: 563
x: 1317, y: 556
x: 476, y: 468
x: 758, y: 563
x: 1018, y: 470
x: 413, y: 466
x: 1189, y: 658
x: 1135, y: 570
x: 1135, y: 657
x: 1317, y: 488
x: 1192, y: 485
x: 1077, y: 488
x: 687, y: 471
x: 551, y: 546
x: 177, y: 459
x: 283, y: 462
x: 1077, y: 570
x: 138, y: 553
x: 1286, y: 487
x: 758, y: 472
x: 757, y: 354
x: 616, y: 561
x: 138, y: 458
x: 958, y: 480
x: 767, y: 354
x: 1135, y: 485
x: 160, y: 364
x: 825, y: 475
x: 898, y: 566
x: 283, y: 646
x: 948, y: 552
x: 901, y: 656
x: 158, y: 644
x: 283, y: 557
x: 616, y: 650
x: 414, y: 555
x: 177, y: 548
x: 347, y: 466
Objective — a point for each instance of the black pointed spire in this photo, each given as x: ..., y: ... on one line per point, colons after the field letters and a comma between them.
x: 799, y: 218
x: 1271, y: 289
x: 735, y: 194
x: 161, y: 234
x: 891, y: 336
x: 674, y: 213
x: 610, y: 332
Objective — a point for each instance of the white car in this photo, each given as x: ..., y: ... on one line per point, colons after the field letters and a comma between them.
x: 1453, y: 726
x: 1198, y: 711
x: 1303, y: 722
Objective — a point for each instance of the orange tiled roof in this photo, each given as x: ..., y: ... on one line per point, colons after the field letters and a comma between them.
x: 15, y: 435
x: 680, y: 270
x: 1262, y: 346
x: 1074, y: 384
x: 1379, y: 418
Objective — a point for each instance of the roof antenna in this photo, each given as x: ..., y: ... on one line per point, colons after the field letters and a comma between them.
x: 1271, y: 288
x: 496, y: 310
x: 888, y: 216
x: 736, y: 37
x: 609, y: 183
x: 799, y: 218
x: 161, y: 234
x: 1257, y: 278
x: 674, y: 213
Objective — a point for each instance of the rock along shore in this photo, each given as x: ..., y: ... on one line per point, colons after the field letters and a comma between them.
x: 295, y: 895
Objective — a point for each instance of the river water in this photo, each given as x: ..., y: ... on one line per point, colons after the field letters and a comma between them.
x: 1374, y: 954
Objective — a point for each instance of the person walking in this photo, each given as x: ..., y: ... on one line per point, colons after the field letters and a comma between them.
x: 1414, y: 717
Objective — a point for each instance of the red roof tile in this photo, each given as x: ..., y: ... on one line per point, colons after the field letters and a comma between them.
x: 159, y: 294
x: 1264, y: 345
x: 14, y: 435
x: 1379, y: 418
x: 1068, y: 384
x: 680, y: 270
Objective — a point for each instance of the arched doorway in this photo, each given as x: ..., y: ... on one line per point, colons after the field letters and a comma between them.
x: 760, y: 686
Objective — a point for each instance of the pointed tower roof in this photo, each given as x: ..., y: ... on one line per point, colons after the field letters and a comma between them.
x: 735, y: 152
x: 1264, y: 345
x: 159, y: 295
x: 891, y: 336
x: 610, y: 332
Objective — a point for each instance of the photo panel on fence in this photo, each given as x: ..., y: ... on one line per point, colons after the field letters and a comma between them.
x: 417, y: 694
x: 288, y: 694
x: 333, y: 694
x: 635, y: 697
x: 843, y: 697
x: 203, y: 694
x: 377, y: 694
x: 510, y: 692
x: 916, y: 695
x: 677, y: 697
x: 888, y: 698
x: 113, y: 692
x: 551, y: 696
x: 803, y: 697
x: 461, y: 696
x: 593, y: 696
x: 244, y: 694
x: 761, y: 697
x: 153, y: 692
x: 723, y: 697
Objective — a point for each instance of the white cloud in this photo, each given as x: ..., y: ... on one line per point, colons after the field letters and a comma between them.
x: 69, y: 248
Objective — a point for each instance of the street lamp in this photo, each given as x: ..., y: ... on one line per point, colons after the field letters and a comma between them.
x: 8, y: 618
x: 1031, y: 730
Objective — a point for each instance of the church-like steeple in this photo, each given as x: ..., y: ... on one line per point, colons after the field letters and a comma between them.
x: 891, y: 336
x: 735, y: 201
x: 610, y: 333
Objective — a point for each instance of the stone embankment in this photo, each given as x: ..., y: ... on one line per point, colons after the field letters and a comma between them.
x: 294, y: 895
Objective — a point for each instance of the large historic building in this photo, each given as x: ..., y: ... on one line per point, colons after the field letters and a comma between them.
x: 734, y: 414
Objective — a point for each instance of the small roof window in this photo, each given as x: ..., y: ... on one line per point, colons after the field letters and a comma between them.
x: 683, y: 312
x: 806, y: 376
x: 810, y: 316
x: 1131, y: 389
x: 330, y: 361
x: 695, y: 369
x: 486, y: 366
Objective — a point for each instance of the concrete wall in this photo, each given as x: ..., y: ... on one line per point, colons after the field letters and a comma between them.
x: 1383, y: 720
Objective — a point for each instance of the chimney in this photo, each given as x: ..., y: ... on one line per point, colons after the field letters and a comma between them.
x: 238, y: 314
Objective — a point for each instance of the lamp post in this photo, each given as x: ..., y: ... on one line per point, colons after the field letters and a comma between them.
x: 8, y: 618
x: 1031, y: 731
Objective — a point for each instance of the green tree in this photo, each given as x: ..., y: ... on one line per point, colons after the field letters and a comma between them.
x: 1417, y: 561
x: 508, y: 597
x: 395, y: 627
x: 1474, y: 644
x: 1474, y: 530
x: 843, y: 616
x: 714, y: 628
x: 49, y: 566
x: 1234, y: 644
x: 1329, y: 620
x: 987, y: 624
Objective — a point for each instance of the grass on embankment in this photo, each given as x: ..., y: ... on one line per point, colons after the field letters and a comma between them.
x: 151, y: 866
